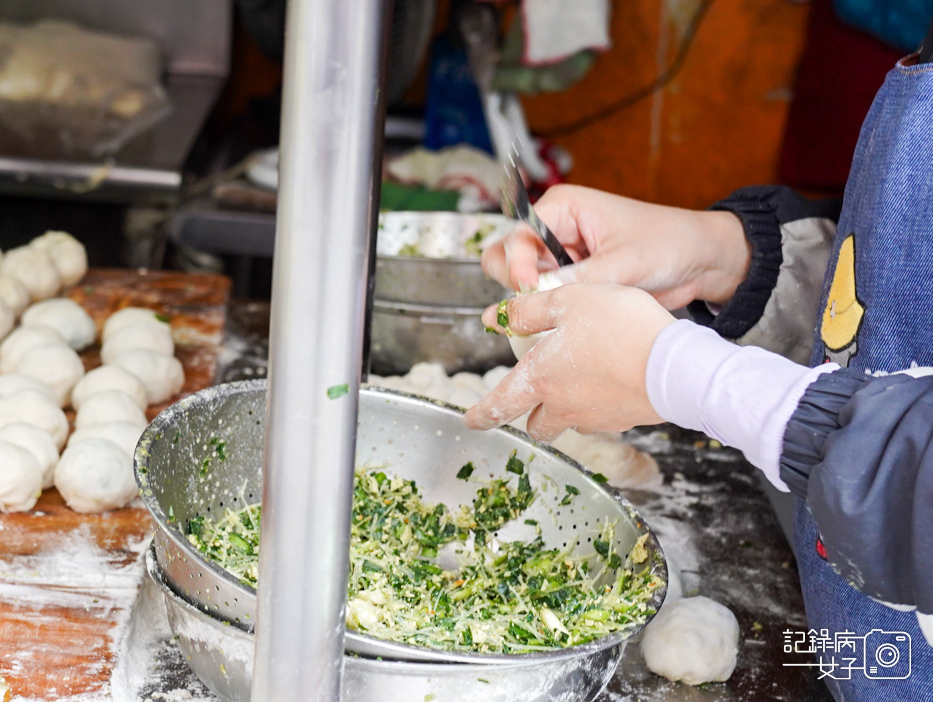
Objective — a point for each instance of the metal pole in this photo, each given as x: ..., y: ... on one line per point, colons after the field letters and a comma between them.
x: 326, y: 212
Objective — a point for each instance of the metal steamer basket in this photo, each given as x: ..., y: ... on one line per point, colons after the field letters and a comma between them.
x: 411, y: 436
x: 430, y: 292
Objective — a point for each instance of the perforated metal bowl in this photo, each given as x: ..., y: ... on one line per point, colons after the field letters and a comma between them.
x: 413, y: 437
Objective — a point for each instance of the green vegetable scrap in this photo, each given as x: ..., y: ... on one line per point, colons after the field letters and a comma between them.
x: 502, y: 315
x: 466, y: 471
x: 335, y: 391
x: 504, y: 597
x: 569, y: 494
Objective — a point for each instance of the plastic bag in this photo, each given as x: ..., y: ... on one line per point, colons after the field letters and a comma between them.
x: 69, y: 92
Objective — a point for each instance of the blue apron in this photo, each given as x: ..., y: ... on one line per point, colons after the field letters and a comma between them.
x: 877, y: 316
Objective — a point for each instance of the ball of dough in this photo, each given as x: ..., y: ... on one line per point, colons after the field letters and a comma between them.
x: 464, y: 397
x: 107, y: 378
x: 694, y: 641
x: 7, y: 319
x: 67, y: 253
x: 66, y: 317
x: 472, y: 381
x: 33, y: 407
x: 56, y: 365
x: 20, y: 478
x: 163, y: 376
x: 493, y: 377
x: 14, y: 294
x: 154, y: 336
x: 34, y: 269
x: 110, y: 406
x: 423, y: 374
x: 127, y: 317
x: 95, y: 475
x: 23, y: 340
x: 14, y: 382
x: 38, y: 442
x: 123, y: 434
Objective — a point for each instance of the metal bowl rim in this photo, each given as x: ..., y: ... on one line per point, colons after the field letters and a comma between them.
x: 170, y: 529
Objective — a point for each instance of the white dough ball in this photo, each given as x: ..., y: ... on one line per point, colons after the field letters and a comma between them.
x: 107, y: 378
x: 393, y: 382
x: 34, y: 269
x: 464, y: 397
x: 123, y: 434
x: 694, y: 641
x: 14, y: 382
x: 151, y: 335
x: 56, y: 365
x: 423, y: 374
x: 95, y: 475
x: 67, y: 253
x: 38, y: 442
x: 493, y: 377
x: 14, y: 294
x: 127, y: 317
x: 33, y: 407
x: 472, y: 381
x: 66, y: 317
x: 21, y: 341
x: 7, y: 319
x: 110, y: 406
x: 20, y: 478
x: 523, y: 344
x: 163, y: 376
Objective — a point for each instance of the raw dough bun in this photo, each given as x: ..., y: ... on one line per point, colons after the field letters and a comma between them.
x: 694, y: 641
x: 110, y: 406
x: 66, y: 317
x: 14, y: 294
x: 470, y: 381
x: 423, y: 374
x: 523, y: 344
x: 23, y: 340
x: 464, y: 397
x: 7, y: 319
x: 20, y: 478
x: 127, y: 317
x: 95, y: 475
x: 14, y: 382
x: 625, y: 466
x: 163, y: 376
x: 56, y: 365
x: 34, y: 269
x: 495, y: 376
x: 123, y: 434
x: 39, y: 443
x: 107, y: 378
x: 34, y: 407
x: 67, y: 253
x: 151, y: 335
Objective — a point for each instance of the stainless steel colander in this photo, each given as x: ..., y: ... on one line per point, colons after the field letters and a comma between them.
x: 181, y: 477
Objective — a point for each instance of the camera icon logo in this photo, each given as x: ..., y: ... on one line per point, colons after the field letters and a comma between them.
x: 887, y: 655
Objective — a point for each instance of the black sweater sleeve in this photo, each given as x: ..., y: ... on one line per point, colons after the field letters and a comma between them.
x: 859, y: 449
x: 763, y: 210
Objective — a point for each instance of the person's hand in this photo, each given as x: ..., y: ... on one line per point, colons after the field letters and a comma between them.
x: 589, y: 374
x: 676, y: 255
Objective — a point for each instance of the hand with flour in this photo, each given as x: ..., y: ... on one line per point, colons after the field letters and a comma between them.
x: 589, y: 373
x: 677, y: 255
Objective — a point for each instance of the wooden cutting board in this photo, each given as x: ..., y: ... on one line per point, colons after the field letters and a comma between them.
x: 68, y: 580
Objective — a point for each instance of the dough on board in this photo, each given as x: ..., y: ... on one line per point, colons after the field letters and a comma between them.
x: 21, y: 340
x: 14, y: 382
x: 7, y: 319
x: 110, y: 406
x: 162, y: 375
x: 14, y: 294
x: 127, y: 317
x: 123, y: 434
x: 34, y: 407
x: 694, y: 641
x: 38, y: 442
x: 34, y: 269
x: 20, y: 478
x: 68, y: 255
x: 95, y: 475
x: 151, y: 335
x: 56, y: 365
x: 65, y: 316
x: 108, y: 378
